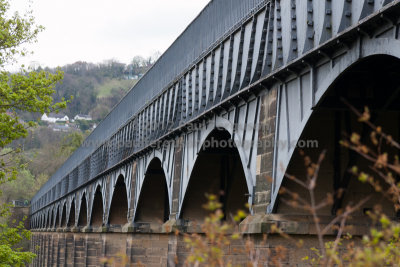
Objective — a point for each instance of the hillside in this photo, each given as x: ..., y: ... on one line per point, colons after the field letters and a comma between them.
x: 96, y: 89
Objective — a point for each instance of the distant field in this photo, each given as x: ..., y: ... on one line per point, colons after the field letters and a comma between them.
x: 105, y: 89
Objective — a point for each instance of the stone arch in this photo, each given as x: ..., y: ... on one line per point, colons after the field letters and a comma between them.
x: 71, y: 214
x: 118, y: 211
x: 82, y: 217
x: 369, y: 48
x: 217, y: 170
x: 153, y: 201
x: 371, y: 81
x: 156, y: 154
x: 96, y: 217
x: 372, y: 47
x: 222, y: 124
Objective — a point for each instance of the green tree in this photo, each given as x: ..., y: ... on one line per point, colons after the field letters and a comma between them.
x: 10, y: 238
x: 20, y: 188
x: 19, y: 92
x: 71, y: 142
x: 84, y: 125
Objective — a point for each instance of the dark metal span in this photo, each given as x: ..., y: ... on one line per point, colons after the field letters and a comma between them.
x: 216, y: 71
x: 212, y: 24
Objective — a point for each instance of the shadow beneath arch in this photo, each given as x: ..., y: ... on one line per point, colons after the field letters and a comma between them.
x: 97, y: 209
x: 71, y: 218
x: 119, y: 204
x: 153, y: 204
x: 372, y: 82
x: 63, y: 221
x: 218, y: 170
x: 82, y: 218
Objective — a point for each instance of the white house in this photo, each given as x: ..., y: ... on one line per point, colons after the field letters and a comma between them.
x: 53, y: 118
x: 82, y: 117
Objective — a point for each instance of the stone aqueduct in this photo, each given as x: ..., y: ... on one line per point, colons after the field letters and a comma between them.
x: 260, y: 75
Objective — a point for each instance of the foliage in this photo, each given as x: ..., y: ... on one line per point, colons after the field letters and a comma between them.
x: 97, y: 88
x: 84, y: 125
x: 381, y: 246
x: 71, y: 142
x: 31, y: 92
x: 327, y: 252
x: 99, y: 112
x: 47, y: 152
x: 10, y: 238
x: 140, y: 65
x: 82, y: 90
x: 15, y: 30
x: 26, y: 91
x: 336, y: 246
x: 114, y: 87
x: 23, y: 187
x: 208, y: 249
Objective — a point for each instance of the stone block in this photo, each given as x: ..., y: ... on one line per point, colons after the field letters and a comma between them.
x: 263, y: 182
x: 266, y: 162
x: 262, y: 197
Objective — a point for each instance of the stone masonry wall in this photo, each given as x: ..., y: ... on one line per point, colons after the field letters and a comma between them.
x: 94, y: 249
x: 265, y: 150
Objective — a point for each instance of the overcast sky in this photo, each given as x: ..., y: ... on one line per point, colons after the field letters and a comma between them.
x: 96, y: 30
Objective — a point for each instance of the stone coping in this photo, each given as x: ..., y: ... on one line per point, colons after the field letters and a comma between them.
x: 252, y: 224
